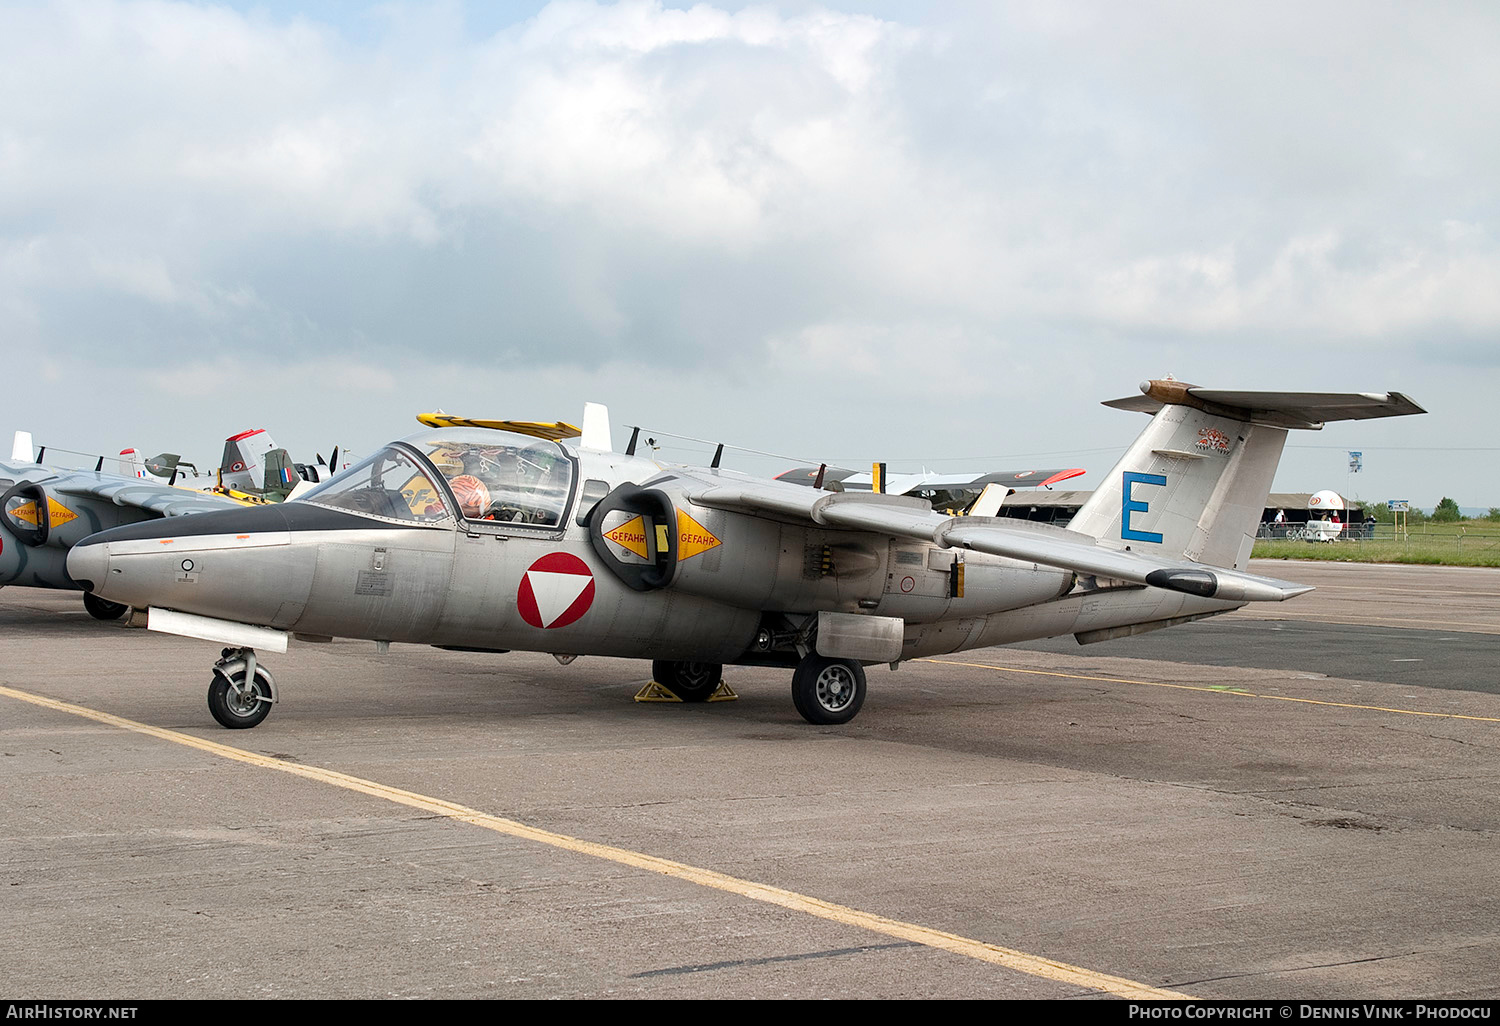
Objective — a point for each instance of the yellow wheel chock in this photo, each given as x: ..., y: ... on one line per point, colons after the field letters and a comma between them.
x: 654, y: 692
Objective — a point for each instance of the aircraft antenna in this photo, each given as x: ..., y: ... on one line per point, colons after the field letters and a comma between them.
x: 724, y: 445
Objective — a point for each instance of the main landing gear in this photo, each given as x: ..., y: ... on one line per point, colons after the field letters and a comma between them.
x: 691, y: 682
x: 828, y: 691
x: 242, y: 691
x: 825, y: 691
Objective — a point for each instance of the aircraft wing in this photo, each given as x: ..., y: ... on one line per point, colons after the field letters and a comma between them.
x: 163, y: 500
x: 905, y: 516
x: 901, y: 484
x: 946, y: 482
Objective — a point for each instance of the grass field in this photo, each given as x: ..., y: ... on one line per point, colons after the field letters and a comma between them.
x: 1470, y: 543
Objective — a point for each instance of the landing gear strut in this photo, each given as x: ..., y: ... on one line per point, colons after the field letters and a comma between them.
x: 828, y: 691
x: 242, y: 691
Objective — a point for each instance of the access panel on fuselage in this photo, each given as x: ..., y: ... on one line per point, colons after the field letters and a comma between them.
x: 391, y: 587
x: 914, y: 590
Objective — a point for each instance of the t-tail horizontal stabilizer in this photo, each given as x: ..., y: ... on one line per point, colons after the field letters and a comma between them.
x: 1304, y: 410
x: 1193, y: 485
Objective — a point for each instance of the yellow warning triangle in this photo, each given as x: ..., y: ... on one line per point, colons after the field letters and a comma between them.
x: 57, y: 513
x: 692, y: 537
x: 630, y: 535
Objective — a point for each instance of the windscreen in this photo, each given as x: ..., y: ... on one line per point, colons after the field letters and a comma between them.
x: 389, y: 485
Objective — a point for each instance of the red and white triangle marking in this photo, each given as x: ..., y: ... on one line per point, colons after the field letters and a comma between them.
x: 555, y: 591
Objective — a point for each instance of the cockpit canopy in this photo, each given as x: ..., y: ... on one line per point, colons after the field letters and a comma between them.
x: 501, y: 477
x: 481, y: 476
x: 390, y: 485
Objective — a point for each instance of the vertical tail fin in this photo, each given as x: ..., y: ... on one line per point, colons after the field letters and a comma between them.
x: 281, y: 474
x: 242, y: 458
x: 989, y: 502
x: 1194, y: 484
x: 130, y: 463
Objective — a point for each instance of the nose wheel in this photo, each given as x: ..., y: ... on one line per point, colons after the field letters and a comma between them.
x: 242, y: 691
x: 828, y: 691
x: 102, y: 609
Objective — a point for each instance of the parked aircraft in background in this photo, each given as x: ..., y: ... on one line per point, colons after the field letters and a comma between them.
x: 44, y: 511
x: 253, y: 467
x: 948, y: 492
x: 487, y: 540
x: 33, y: 549
x: 927, y: 480
x: 253, y: 464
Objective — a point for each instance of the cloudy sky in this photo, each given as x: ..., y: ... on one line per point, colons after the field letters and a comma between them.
x: 933, y: 233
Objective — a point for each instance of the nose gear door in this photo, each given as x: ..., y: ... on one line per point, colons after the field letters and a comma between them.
x: 634, y: 531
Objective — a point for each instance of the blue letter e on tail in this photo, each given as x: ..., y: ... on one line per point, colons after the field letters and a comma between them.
x: 1129, y: 506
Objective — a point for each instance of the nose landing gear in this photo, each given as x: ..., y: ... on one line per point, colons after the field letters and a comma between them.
x: 103, y: 609
x: 242, y: 691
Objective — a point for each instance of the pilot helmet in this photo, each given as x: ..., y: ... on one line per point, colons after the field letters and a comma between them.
x: 472, y: 495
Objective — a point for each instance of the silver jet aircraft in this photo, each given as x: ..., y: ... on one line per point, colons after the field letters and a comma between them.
x: 482, y: 540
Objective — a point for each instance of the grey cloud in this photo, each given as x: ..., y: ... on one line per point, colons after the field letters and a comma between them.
x: 952, y: 209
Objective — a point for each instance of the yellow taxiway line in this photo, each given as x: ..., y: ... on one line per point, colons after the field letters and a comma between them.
x: 1462, y: 626
x: 1221, y: 690
x: 1009, y: 958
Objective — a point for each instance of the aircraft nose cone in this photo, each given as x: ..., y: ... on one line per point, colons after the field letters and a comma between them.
x: 88, y: 564
x: 242, y: 564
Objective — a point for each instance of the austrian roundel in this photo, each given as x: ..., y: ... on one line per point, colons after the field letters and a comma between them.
x: 555, y: 591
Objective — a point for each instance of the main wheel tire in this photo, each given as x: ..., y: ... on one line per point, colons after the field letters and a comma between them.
x: 103, y: 609
x: 797, y: 701
x: 691, y: 682
x: 828, y: 691
x: 235, y: 710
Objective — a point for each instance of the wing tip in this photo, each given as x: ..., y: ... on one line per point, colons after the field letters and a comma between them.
x: 1063, y: 475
